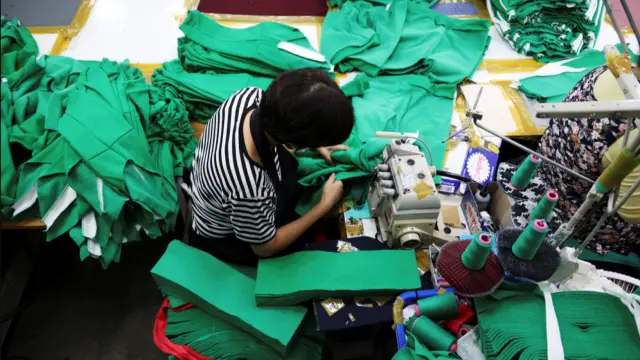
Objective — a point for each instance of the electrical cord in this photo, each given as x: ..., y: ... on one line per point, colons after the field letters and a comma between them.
x: 457, y: 177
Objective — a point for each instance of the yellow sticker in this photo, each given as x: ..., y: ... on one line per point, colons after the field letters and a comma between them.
x: 442, y: 291
x: 422, y: 189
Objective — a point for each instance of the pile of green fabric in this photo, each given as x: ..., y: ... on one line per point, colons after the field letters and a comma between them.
x: 549, y: 85
x: 93, y: 145
x: 548, y: 30
x: 225, y: 322
x: 404, y: 38
x: 415, y: 350
x: 16, y: 46
x: 216, y: 61
x: 592, y: 325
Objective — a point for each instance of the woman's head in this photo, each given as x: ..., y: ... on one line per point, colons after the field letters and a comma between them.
x: 306, y: 109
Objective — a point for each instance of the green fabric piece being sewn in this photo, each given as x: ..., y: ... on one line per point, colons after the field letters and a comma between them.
x: 208, y: 45
x: 17, y: 45
x: 218, y: 289
x: 202, y: 93
x: 320, y: 274
x: 592, y: 325
x: 404, y: 38
x: 406, y: 103
x: 215, y: 338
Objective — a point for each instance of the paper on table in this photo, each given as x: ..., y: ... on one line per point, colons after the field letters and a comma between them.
x: 494, y: 107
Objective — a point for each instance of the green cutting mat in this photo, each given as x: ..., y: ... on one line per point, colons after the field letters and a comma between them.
x: 315, y: 274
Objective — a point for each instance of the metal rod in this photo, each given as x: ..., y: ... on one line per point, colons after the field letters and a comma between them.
x: 534, y: 153
x: 592, y: 234
x: 626, y: 197
x: 627, y: 11
x: 616, y: 27
x: 468, y: 118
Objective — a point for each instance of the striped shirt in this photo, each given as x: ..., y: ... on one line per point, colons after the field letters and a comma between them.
x: 232, y: 194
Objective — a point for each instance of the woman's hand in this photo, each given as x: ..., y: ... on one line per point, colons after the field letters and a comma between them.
x: 331, y: 193
x: 326, y: 152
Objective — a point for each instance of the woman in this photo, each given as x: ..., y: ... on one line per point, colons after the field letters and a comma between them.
x: 244, y: 180
x: 587, y: 146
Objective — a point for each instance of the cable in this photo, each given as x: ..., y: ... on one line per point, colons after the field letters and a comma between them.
x: 456, y: 176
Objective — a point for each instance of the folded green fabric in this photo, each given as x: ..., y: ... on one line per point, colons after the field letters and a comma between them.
x: 208, y: 45
x: 319, y: 274
x: 9, y: 179
x: 202, y: 93
x: 406, y: 103
x: 554, y: 88
x: 548, y: 30
x: 404, y: 38
x: 215, y: 338
x: 218, y: 289
x: 16, y: 45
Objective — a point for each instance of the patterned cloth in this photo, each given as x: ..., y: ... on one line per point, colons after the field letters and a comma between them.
x: 580, y: 144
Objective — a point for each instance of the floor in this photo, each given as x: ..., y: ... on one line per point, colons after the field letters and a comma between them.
x: 76, y: 310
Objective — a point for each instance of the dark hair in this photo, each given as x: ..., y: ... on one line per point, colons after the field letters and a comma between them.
x: 307, y: 109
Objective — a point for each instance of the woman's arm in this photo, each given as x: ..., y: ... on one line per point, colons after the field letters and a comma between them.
x: 287, y: 234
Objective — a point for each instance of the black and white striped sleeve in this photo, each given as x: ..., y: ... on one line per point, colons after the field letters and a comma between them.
x: 253, y: 219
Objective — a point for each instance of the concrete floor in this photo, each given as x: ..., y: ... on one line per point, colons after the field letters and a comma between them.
x: 76, y: 310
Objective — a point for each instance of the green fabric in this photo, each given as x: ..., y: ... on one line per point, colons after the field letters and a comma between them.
x: 408, y: 38
x: 407, y: 103
x: 218, y: 289
x: 202, y: 93
x: 16, y: 45
x: 320, y: 274
x: 215, y: 338
x: 592, y: 325
x: 548, y: 30
x: 9, y: 178
x: 97, y: 128
x: 556, y: 87
x: 415, y: 350
x: 208, y: 45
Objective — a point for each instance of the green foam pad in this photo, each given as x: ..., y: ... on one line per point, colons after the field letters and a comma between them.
x: 306, y: 275
x: 218, y: 289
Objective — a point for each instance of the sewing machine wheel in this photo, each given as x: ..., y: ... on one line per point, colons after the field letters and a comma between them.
x: 410, y: 240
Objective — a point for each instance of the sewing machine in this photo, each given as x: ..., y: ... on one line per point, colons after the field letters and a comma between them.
x: 403, y: 197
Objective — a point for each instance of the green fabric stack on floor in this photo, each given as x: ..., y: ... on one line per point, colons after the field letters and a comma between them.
x: 225, y: 321
x: 352, y: 274
x: 548, y: 85
x: 592, y: 325
x: 104, y: 149
x: 216, y: 61
x: 548, y: 30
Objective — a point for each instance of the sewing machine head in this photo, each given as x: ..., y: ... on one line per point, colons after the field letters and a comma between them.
x: 404, y: 198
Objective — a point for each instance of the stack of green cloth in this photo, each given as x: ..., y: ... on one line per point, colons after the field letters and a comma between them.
x: 223, y: 299
x: 209, y: 46
x: 554, y: 81
x: 307, y: 275
x: 405, y: 37
x: 102, y: 150
x: 548, y: 30
x: 592, y: 325
x: 214, y: 338
x: 203, y: 93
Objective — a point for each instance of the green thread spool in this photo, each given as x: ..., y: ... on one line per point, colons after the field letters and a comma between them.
x: 478, y: 251
x: 526, y: 172
x: 432, y: 335
x: 441, y: 307
x: 545, y: 206
x: 528, y: 243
